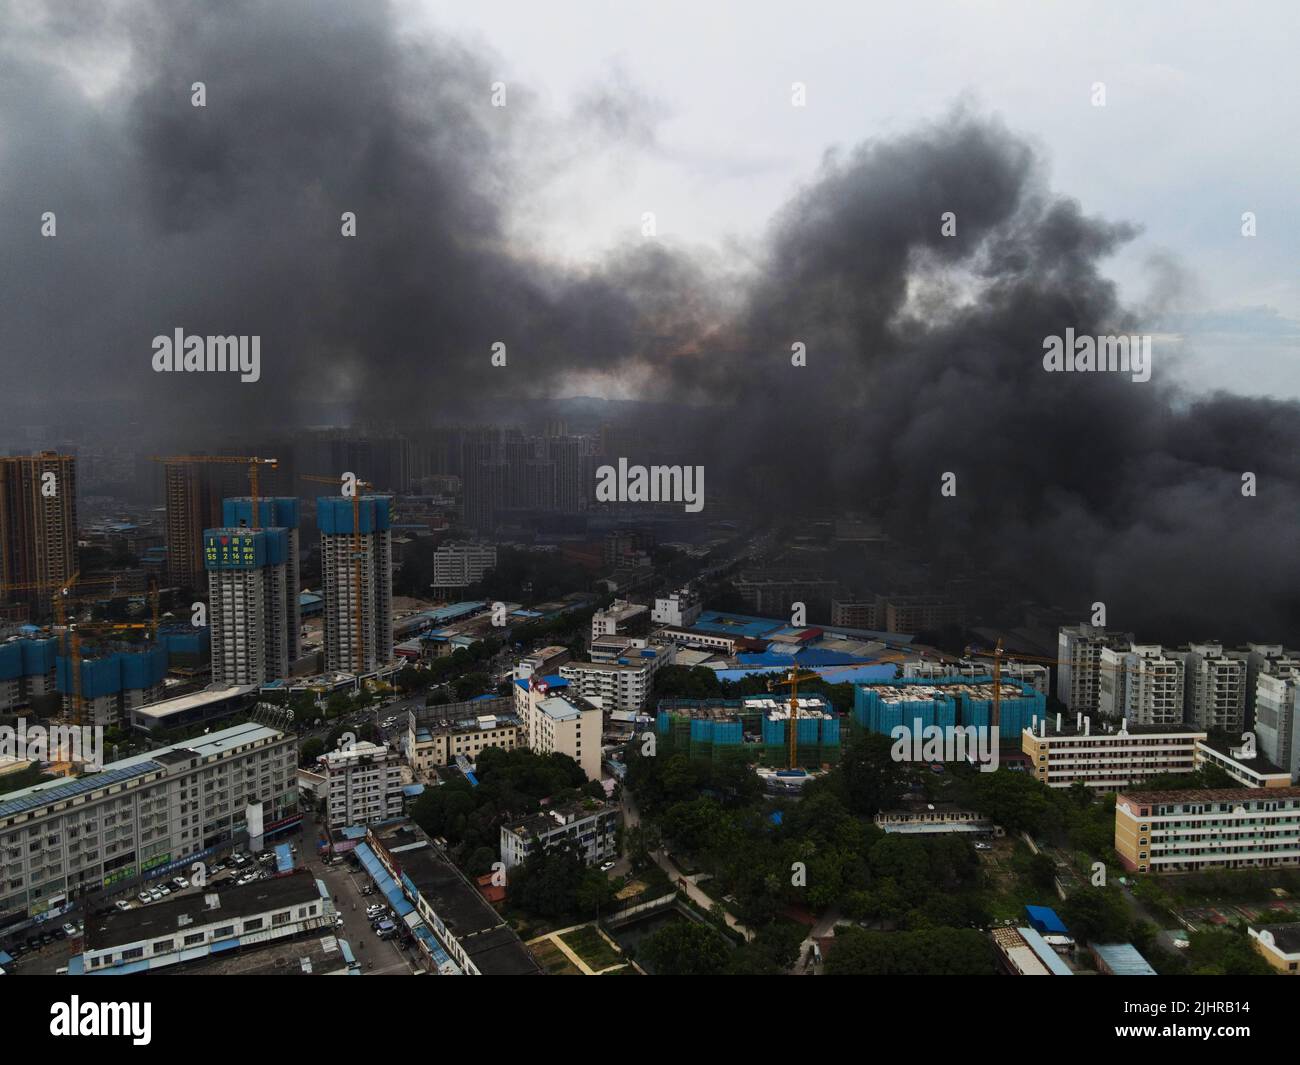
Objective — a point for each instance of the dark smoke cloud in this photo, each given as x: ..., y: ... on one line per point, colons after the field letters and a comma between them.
x: 924, y: 351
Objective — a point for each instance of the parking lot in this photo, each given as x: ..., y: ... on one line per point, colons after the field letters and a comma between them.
x: 47, y: 951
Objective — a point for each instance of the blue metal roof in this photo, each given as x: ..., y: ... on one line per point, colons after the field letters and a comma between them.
x: 1123, y: 959
x: 1045, y: 920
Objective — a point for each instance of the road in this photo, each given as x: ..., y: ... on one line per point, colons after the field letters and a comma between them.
x: 378, y: 957
x: 632, y: 818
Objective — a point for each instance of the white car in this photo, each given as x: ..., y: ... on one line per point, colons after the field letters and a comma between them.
x: 180, y: 882
x: 605, y: 867
x: 155, y: 894
x: 122, y: 904
x: 71, y: 929
x: 144, y: 896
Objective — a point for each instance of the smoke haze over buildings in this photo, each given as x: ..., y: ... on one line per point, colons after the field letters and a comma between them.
x: 924, y: 351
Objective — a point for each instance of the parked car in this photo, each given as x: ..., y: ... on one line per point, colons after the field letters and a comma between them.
x: 163, y: 889
x: 143, y: 897
x: 180, y: 882
x: 122, y: 904
x: 605, y: 867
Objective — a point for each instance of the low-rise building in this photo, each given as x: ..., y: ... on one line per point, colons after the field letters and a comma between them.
x: 194, y: 927
x: 619, y: 618
x: 454, y: 926
x: 590, y: 828
x: 435, y: 738
x: 679, y: 610
x: 1279, y: 945
x: 1187, y: 831
x: 1243, y: 763
x: 1063, y: 754
x: 623, y: 684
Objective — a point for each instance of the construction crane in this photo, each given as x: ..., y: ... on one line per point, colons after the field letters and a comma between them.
x: 793, y: 678
x: 253, y: 463
x: 998, y: 655
x: 358, y: 486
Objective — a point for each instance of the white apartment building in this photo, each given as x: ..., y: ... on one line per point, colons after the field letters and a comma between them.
x: 590, y: 828
x: 1271, y: 658
x: 1187, y: 831
x: 462, y: 563
x: 680, y: 610
x: 624, y: 684
x: 1106, y: 761
x: 1140, y: 684
x: 1079, y: 675
x: 617, y: 618
x: 1214, y: 688
x: 141, y: 817
x: 363, y: 784
x: 1277, y: 726
x: 557, y: 720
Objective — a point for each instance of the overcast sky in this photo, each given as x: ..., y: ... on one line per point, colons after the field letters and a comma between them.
x: 1202, y: 103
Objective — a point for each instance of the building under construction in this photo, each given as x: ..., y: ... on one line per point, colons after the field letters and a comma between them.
x: 754, y: 731
x: 882, y: 707
x: 356, y: 554
x: 38, y: 527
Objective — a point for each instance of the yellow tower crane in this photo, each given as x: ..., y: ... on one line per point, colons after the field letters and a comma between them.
x: 998, y: 655
x: 793, y: 678
x: 253, y: 463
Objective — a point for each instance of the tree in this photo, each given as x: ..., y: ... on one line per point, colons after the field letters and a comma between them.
x: 310, y: 750
x: 928, y: 952
x: 1096, y: 915
x: 684, y: 949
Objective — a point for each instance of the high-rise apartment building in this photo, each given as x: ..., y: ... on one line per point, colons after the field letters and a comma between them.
x: 1141, y: 684
x: 1277, y: 726
x: 1260, y: 658
x: 248, y: 604
x: 277, y: 512
x: 357, y: 571
x: 462, y: 563
x: 1214, y: 688
x: 38, y: 525
x: 193, y: 492
x: 1079, y: 677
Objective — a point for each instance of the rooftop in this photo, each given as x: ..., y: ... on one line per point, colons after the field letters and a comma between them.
x: 186, y: 911
x: 1152, y: 798
x: 1286, y: 937
x: 490, y: 943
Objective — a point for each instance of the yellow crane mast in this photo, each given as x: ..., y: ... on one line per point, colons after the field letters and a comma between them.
x: 253, y: 462
x: 793, y: 678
